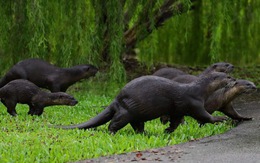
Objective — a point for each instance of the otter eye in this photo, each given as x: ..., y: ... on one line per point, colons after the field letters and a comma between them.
x: 227, y: 65
x: 86, y: 68
x: 214, y: 66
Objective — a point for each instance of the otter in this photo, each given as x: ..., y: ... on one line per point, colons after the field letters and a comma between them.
x: 221, y: 100
x: 149, y: 97
x: 216, y: 67
x: 25, y: 92
x: 46, y: 75
x: 171, y: 73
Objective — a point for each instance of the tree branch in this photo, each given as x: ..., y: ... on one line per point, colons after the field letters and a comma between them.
x: 128, y: 15
x: 168, y: 9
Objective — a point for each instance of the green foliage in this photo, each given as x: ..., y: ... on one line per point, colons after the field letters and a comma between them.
x: 67, y: 33
x: 29, y: 139
x: 215, y: 30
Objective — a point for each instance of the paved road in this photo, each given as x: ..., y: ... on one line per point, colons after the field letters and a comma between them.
x: 239, y: 145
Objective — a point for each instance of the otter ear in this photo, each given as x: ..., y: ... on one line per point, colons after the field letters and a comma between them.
x: 214, y: 66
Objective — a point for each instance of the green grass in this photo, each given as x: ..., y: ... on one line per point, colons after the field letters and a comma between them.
x: 29, y: 139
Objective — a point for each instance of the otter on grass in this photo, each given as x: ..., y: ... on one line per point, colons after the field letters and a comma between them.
x: 48, y: 76
x: 149, y: 97
x: 25, y: 92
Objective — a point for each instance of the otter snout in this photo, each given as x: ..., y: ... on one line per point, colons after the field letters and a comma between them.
x: 230, y: 68
x: 251, y: 89
x: 73, y: 102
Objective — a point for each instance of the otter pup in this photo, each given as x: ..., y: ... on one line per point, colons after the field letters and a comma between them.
x: 221, y: 100
x: 25, y: 92
x: 48, y: 76
x: 149, y: 97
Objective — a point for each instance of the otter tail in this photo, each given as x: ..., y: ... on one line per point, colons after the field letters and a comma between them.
x: 102, y: 118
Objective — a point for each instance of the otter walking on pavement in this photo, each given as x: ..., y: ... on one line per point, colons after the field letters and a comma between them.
x: 149, y: 97
x: 221, y: 100
x: 25, y: 92
x: 45, y: 75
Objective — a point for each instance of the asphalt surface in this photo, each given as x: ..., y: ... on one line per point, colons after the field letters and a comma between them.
x: 239, y: 145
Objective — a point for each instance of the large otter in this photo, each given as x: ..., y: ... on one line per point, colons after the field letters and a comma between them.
x: 25, y: 92
x: 45, y: 75
x: 221, y: 100
x: 171, y: 73
x: 149, y: 97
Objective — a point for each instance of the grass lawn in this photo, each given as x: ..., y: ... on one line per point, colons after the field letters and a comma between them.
x: 29, y: 139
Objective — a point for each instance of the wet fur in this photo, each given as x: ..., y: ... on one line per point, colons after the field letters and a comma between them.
x: 149, y: 97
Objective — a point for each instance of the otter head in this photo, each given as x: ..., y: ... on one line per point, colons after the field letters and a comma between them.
x: 222, y: 67
x: 244, y: 86
x: 218, y: 80
x: 61, y: 98
x: 88, y: 70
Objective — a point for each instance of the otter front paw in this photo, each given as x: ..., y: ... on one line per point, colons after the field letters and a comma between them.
x: 169, y: 130
x: 245, y: 119
x: 219, y: 118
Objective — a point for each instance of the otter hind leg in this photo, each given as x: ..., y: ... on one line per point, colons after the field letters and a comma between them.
x: 10, y: 105
x: 174, y: 123
x: 120, y: 119
x: 138, y: 126
x: 232, y: 113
